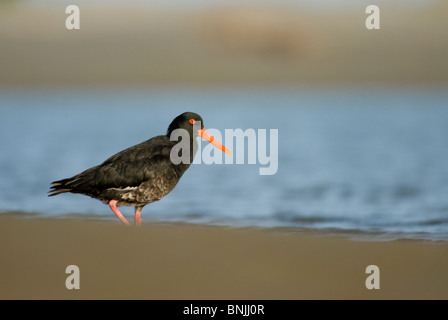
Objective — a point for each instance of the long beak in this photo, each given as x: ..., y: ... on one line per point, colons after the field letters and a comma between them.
x: 205, y: 135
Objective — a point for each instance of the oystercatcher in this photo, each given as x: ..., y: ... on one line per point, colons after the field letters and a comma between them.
x: 143, y: 173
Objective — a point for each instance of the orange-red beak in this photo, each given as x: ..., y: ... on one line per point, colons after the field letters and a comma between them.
x: 205, y: 135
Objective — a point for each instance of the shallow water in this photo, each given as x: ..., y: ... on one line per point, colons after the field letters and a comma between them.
x: 371, y: 161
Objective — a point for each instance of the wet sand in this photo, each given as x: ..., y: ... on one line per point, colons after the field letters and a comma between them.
x: 180, y: 261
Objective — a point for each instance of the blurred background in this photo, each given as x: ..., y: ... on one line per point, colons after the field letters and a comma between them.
x: 197, y: 42
x: 362, y: 114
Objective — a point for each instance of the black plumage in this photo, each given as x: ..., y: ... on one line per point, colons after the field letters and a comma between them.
x: 140, y: 174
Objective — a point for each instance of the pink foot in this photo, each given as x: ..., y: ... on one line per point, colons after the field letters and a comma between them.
x: 113, y: 206
x: 137, y: 217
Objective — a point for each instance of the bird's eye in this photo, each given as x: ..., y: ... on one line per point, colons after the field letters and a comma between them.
x: 192, y: 121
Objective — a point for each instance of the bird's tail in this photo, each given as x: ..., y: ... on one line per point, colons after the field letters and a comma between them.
x: 61, y: 186
x: 73, y: 184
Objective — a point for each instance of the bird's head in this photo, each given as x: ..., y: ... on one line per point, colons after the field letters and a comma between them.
x: 193, y: 123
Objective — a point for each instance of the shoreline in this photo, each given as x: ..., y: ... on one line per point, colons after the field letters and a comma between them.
x: 346, y: 234
x: 183, y: 261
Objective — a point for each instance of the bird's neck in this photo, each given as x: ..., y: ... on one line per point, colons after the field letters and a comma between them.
x: 185, y: 150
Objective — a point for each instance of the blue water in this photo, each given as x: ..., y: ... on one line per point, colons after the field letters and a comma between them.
x: 362, y: 162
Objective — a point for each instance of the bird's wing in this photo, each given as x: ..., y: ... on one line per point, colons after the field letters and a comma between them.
x: 131, y: 167
x: 128, y: 168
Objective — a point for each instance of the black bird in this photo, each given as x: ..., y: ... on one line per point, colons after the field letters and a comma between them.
x: 144, y: 173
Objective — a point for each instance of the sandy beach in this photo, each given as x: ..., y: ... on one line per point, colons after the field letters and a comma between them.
x: 144, y: 48
x: 181, y: 261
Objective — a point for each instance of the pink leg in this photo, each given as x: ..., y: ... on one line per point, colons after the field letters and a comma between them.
x: 113, y: 206
x: 137, y: 217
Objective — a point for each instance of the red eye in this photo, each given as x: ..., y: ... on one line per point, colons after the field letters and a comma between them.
x: 192, y: 121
